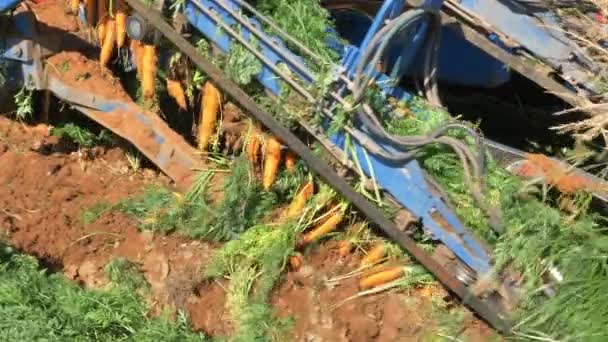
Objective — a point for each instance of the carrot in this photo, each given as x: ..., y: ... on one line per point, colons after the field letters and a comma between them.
x: 374, y: 255
x: 74, y: 6
x: 299, y: 202
x: 272, y: 158
x: 321, y: 230
x: 101, y: 30
x: 290, y: 160
x: 108, y: 43
x: 176, y: 91
x: 149, y: 71
x: 295, y: 261
x: 121, y: 28
x: 212, y: 99
x: 344, y: 247
x: 137, y: 48
x: 381, y: 278
x: 253, y: 147
x: 90, y: 12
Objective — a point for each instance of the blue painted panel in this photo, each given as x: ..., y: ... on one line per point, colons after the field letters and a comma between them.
x: 547, y: 43
x: 6, y: 5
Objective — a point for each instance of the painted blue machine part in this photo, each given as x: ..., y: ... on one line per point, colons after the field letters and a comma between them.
x: 405, y: 182
x: 547, y: 43
x: 6, y: 5
x: 460, y: 62
x: 268, y: 45
x: 538, y: 33
x: 18, y: 46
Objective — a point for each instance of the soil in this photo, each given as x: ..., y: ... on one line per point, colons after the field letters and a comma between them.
x: 45, y: 190
x: 53, y: 15
x: 77, y: 70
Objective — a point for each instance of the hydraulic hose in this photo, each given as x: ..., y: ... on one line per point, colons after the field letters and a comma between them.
x: 408, y: 147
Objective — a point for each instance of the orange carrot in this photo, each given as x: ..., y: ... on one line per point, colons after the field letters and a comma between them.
x: 149, y: 71
x: 101, y: 30
x: 74, y: 6
x: 299, y: 202
x: 272, y: 158
x: 121, y: 28
x: 374, y: 255
x: 210, y: 108
x: 176, y: 91
x: 295, y: 261
x: 108, y: 43
x: 253, y: 148
x: 381, y: 278
x: 323, y: 229
x: 290, y: 160
x: 344, y: 247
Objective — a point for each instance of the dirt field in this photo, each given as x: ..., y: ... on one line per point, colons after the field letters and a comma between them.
x: 45, y: 189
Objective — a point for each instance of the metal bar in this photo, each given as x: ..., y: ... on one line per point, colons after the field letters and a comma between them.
x: 145, y: 130
x: 278, y: 30
x: 259, y: 55
x: 322, y: 169
x: 517, y: 63
x: 262, y: 36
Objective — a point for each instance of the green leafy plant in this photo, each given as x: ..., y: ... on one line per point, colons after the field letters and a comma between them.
x: 80, y: 135
x: 123, y: 272
x: 242, y: 205
x: 24, y: 100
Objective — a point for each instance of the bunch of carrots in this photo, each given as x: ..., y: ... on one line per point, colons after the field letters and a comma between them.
x: 111, y: 31
x: 271, y: 148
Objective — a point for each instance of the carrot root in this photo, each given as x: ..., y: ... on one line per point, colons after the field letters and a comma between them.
x: 381, y: 278
x: 290, y: 160
x: 299, y: 201
x: 108, y: 43
x: 323, y: 229
x: 374, y: 255
x: 176, y: 91
x: 272, y: 158
x: 149, y: 71
x: 211, y: 103
x: 121, y: 28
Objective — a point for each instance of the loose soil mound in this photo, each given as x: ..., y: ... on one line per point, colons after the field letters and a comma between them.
x: 44, y: 192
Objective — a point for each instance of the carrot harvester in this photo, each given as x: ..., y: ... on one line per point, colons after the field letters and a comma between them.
x: 462, y: 42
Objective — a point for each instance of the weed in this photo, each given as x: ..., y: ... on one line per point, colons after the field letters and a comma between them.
x: 134, y: 160
x: 80, y: 135
x: 122, y: 272
x: 95, y: 212
x: 242, y: 205
x: 242, y: 65
x: 24, y: 100
x: 65, y: 66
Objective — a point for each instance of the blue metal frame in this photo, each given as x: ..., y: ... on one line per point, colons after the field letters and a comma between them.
x: 405, y: 182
